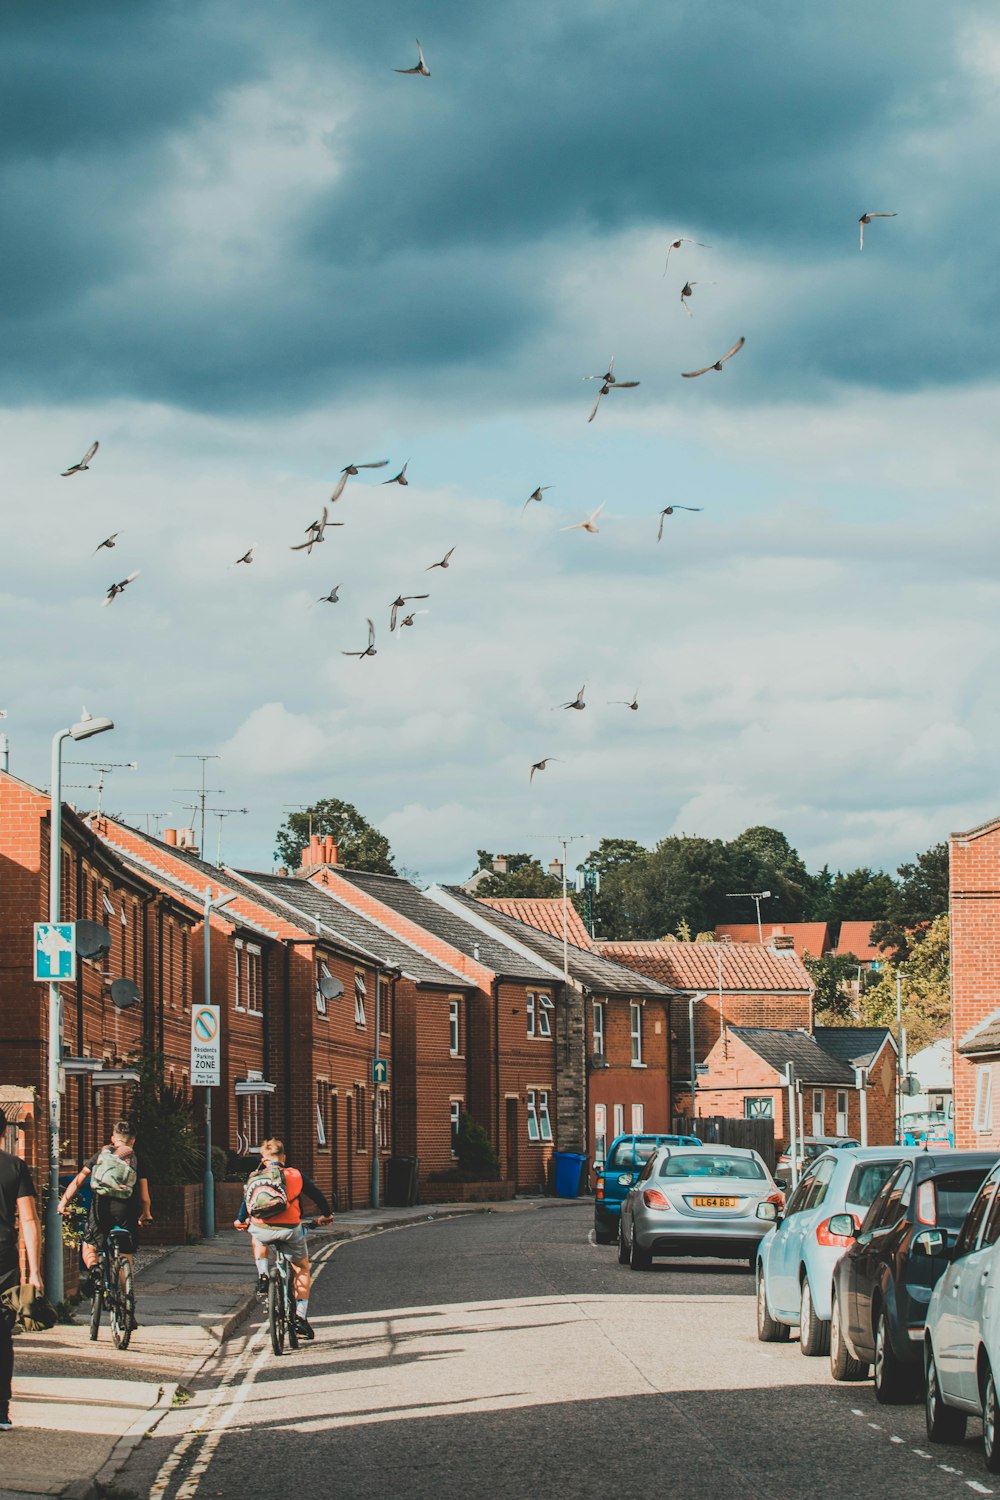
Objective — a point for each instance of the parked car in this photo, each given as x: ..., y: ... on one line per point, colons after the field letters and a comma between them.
x: 962, y: 1338
x: 626, y: 1157
x: 883, y: 1282
x: 700, y: 1202
x: 795, y: 1260
x: 806, y: 1151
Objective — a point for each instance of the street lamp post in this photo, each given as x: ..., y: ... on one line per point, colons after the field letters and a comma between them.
x: 83, y: 730
x: 208, y: 1188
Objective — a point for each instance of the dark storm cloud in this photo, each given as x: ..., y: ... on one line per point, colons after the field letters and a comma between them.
x: 769, y: 126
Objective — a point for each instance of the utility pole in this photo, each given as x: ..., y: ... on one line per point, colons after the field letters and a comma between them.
x: 215, y: 791
x: 221, y: 813
x: 565, y: 840
x: 899, y: 1056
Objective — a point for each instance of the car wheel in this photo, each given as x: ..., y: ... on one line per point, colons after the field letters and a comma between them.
x: 991, y: 1436
x: 639, y: 1259
x: 604, y: 1236
x: 623, y: 1255
x: 769, y: 1330
x: 814, y: 1333
x: 894, y: 1381
x: 843, y: 1365
x: 944, y: 1423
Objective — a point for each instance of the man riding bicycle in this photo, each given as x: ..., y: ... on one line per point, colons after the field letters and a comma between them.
x: 119, y: 1199
x: 272, y: 1209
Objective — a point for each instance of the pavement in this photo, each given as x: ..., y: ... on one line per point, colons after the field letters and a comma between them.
x: 80, y: 1408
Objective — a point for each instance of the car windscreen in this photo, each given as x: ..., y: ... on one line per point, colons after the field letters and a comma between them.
x: 710, y: 1164
x: 620, y: 1156
x: 866, y: 1180
x: 954, y: 1192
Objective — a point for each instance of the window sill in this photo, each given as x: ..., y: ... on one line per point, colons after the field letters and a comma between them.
x: 250, y: 1012
x: 639, y: 1065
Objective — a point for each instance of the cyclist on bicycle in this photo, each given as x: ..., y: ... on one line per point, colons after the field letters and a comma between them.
x: 119, y: 1199
x: 272, y: 1209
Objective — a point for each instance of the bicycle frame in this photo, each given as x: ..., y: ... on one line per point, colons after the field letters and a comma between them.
x: 281, y: 1294
x: 114, y: 1288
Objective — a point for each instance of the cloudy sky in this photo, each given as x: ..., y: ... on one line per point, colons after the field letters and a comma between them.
x: 242, y: 252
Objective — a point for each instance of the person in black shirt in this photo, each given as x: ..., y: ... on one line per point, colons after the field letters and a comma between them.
x: 17, y: 1202
x: 106, y: 1212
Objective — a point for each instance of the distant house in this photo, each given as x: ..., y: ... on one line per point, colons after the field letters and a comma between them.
x: 932, y: 1068
x: 855, y: 940
x: 809, y: 939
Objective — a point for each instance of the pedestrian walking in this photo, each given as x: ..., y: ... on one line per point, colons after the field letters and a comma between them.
x: 17, y: 1206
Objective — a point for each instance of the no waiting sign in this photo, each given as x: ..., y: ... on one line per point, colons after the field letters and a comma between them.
x: 206, y: 1046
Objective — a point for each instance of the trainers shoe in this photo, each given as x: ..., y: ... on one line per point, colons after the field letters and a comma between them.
x: 262, y: 1287
x: 5, y: 1423
x: 303, y: 1329
x: 87, y: 1286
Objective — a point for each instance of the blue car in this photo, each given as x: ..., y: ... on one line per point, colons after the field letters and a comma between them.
x: 627, y: 1155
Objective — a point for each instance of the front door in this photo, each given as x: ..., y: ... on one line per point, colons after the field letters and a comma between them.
x: 818, y: 1111
x: 512, y: 1129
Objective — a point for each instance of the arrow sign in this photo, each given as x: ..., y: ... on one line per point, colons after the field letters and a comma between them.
x: 55, y: 951
x: 380, y: 1069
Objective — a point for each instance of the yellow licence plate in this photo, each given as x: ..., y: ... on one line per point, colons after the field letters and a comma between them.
x: 713, y: 1202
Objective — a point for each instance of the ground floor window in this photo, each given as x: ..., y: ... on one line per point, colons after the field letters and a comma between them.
x: 982, y: 1119
x: 322, y: 1095
x: 600, y: 1131
x: 533, y: 1133
x: 544, y: 1123
x: 383, y: 1119
x: 759, y: 1108
x: 456, y: 1120
x: 637, y: 1118
x: 360, y: 1117
x: 618, y: 1115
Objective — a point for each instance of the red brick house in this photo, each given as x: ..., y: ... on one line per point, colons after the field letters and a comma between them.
x: 715, y: 985
x: 855, y: 940
x: 975, y: 983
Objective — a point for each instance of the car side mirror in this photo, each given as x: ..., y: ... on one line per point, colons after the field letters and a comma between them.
x: 930, y: 1242
x: 768, y: 1211
x: 843, y: 1224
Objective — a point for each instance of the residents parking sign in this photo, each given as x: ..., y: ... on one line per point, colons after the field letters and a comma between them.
x: 206, y: 1046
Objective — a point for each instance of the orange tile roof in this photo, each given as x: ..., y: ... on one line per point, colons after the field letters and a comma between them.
x: 695, y: 966
x: 856, y: 938
x: 808, y: 937
x: 545, y: 913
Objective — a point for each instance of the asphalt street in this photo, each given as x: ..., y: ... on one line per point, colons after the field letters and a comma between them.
x: 502, y: 1353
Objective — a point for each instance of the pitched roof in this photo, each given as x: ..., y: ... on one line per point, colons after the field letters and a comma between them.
x: 695, y: 966
x: 596, y: 973
x: 319, y: 904
x: 856, y: 938
x: 545, y: 913
x: 983, y: 1037
x: 858, y: 1045
x: 807, y: 937
x: 779, y: 1048
x: 422, y: 916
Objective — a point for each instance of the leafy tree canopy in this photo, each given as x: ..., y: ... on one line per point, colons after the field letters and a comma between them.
x: 918, y: 898
x: 924, y: 991
x: 360, y: 846
x: 525, y: 878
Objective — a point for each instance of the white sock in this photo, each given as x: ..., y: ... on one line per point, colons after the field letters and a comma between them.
x: 301, y: 1307
x: 261, y: 1265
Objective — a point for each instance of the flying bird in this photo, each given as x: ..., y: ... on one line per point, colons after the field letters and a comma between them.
x: 686, y: 291
x: 668, y: 510
x: 676, y: 245
x: 246, y: 558
x: 444, y: 563
x: 540, y: 765
x: 588, y: 524
x: 690, y: 374
x: 608, y: 381
x: 399, y: 603
x: 409, y: 619
x: 345, y: 474
x: 535, y: 495
x: 314, y: 532
x: 576, y: 702
x: 109, y: 542
x: 633, y: 704
x: 84, y: 463
x: 399, y: 478
x: 116, y: 588
x: 867, y: 218
x: 332, y: 597
x: 421, y: 67
x: 369, y: 649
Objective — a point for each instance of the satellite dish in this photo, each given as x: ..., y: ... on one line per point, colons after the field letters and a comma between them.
x: 330, y: 988
x: 125, y: 994
x: 92, y: 939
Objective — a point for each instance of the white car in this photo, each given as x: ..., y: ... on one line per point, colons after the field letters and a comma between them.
x: 962, y: 1334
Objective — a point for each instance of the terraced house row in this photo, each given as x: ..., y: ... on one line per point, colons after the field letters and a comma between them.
x: 470, y: 1006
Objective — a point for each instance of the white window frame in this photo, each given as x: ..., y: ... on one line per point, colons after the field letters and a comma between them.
x: 982, y: 1120
x: 598, y: 1025
x: 638, y: 1115
x: 360, y: 992
x: 752, y: 1110
x: 618, y: 1116
x: 238, y: 968
x: 635, y: 1031
x: 253, y: 950
x: 455, y: 1117
x: 818, y: 1114
x: 544, y: 1118
x: 322, y: 972
x: 545, y: 1008
x: 842, y: 1113
x: 534, y: 1135
x: 454, y: 1031
x: 600, y: 1131
x: 321, y: 1083
x: 249, y: 1140
x: 530, y: 1011
x: 383, y: 1122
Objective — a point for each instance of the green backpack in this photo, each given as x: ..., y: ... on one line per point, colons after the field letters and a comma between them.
x: 113, y: 1176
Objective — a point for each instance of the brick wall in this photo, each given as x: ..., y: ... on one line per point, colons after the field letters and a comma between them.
x: 771, y: 1009
x: 622, y: 1087
x: 975, y: 959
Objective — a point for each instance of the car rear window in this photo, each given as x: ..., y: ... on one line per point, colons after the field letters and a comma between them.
x: 710, y: 1164
x: 867, y: 1180
x: 955, y: 1192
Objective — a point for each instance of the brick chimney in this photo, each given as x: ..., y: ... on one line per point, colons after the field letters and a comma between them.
x: 500, y: 864
x: 321, y: 851
x: 170, y: 837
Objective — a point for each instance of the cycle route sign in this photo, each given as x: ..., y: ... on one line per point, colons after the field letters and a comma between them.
x: 206, y: 1046
x: 55, y: 951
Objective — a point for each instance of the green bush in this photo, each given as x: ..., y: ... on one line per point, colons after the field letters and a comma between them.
x: 168, y: 1147
x: 476, y: 1156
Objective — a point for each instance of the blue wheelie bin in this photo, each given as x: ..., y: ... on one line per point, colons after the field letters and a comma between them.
x: 569, y: 1170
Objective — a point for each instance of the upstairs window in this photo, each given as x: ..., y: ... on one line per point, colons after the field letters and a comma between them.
x: 254, y: 968
x: 360, y: 991
x: 454, y: 1037
x: 322, y: 1097
x: 539, y: 1011
x: 635, y: 1028
x: 982, y: 1120
x: 598, y: 1029
x: 322, y: 972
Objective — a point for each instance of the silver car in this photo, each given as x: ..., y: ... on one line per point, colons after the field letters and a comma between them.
x: 700, y: 1202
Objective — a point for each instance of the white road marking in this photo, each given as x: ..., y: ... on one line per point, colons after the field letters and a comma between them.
x: 895, y: 1440
x: 591, y: 1240
x: 949, y: 1470
x: 920, y: 1453
x: 877, y: 1426
x: 980, y: 1489
x: 857, y: 1411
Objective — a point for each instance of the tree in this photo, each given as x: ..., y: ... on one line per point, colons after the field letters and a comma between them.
x: 524, y: 878
x: 918, y: 899
x: 614, y: 860
x: 851, y: 895
x: 761, y: 858
x: 164, y: 1124
x: 925, y: 989
x: 359, y: 845
x: 833, y: 976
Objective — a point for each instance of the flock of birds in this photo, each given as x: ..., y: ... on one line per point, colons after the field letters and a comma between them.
x: 315, y: 532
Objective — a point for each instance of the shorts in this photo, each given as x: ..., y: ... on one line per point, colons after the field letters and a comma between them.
x: 101, y: 1220
x: 292, y: 1235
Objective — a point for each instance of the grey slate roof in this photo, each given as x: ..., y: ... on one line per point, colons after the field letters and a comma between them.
x: 410, y: 902
x: 983, y: 1037
x: 858, y: 1045
x: 779, y: 1048
x: 598, y: 975
x: 352, y: 928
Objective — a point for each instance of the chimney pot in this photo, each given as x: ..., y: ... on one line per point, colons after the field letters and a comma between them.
x: 170, y: 837
x: 334, y: 854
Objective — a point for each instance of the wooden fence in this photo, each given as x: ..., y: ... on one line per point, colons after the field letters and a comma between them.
x: 757, y: 1135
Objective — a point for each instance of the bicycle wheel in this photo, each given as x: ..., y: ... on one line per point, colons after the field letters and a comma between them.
x: 123, y: 1303
x: 293, y: 1332
x: 97, y: 1300
x: 276, y: 1310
